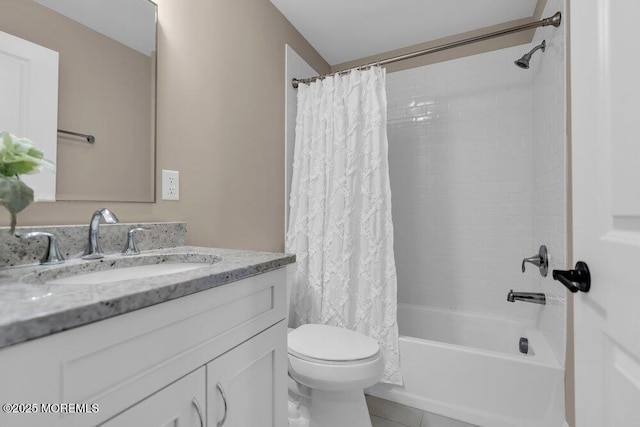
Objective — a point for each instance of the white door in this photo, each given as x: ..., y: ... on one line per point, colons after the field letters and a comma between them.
x: 182, y: 404
x: 605, y: 85
x: 29, y: 102
x: 247, y: 386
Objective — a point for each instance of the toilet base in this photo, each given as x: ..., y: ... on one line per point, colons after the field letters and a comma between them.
x: 299, y: 415
x: 339, y: 409
x: 328, y: 409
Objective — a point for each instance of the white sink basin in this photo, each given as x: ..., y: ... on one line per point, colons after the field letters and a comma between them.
x: 127, y: 273
x: 114, y: 268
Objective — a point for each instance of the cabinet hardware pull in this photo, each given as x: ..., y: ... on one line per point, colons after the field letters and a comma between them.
x: 226, y: 405
x: 195, y: 403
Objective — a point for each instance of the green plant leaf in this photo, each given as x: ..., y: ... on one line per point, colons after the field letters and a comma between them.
x: 15, y: 195
x: 19, y: 156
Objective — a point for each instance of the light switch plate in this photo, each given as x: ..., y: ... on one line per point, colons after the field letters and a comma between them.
x: 170, y: 185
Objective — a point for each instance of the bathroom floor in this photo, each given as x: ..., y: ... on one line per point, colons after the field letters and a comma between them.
x: 385, y: 413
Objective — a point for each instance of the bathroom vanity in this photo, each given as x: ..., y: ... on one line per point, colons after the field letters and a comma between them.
x: 202, y: 347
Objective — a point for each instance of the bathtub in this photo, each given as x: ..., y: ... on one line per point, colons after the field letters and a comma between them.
x: 468, y: 367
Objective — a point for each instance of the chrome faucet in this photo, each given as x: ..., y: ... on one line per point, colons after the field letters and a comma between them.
x: 94, y: 251
x: 533, y: 297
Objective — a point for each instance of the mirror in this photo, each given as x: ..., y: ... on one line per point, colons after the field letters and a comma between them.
x: 107, y: 88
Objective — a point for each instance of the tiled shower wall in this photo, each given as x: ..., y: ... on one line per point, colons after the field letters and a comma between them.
x: 461, y: 165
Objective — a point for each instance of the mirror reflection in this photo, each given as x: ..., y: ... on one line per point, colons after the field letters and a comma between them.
x: 107, y: 68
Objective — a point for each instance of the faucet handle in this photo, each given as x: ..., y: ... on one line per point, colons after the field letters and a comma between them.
x: 53, y: 254
x: 131, y: 248
x: 541, y: 261
x: 535, y: 260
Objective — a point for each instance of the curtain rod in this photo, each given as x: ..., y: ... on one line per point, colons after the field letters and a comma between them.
x: 553, y: 20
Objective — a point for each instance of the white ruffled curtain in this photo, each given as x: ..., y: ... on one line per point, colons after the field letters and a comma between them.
x: 340, y: 224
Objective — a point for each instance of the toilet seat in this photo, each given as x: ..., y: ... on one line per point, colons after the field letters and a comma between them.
x: 331, y: 344
x: 333, y: 362
x: 332, y: 358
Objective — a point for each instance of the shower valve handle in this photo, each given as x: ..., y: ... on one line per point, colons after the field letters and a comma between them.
x: 541, y: 261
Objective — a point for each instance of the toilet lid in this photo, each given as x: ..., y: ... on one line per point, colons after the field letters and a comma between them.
x: 326, y: 342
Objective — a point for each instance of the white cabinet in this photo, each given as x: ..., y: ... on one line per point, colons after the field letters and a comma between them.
x: 236, y: 330
x: 179, y: 405
x: 244, y: 385
x: 243, y: 388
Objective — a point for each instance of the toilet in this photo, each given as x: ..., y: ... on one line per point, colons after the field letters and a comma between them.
x: 329, y: 367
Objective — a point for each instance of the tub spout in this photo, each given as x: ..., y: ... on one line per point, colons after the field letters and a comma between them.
x: 533, y: 297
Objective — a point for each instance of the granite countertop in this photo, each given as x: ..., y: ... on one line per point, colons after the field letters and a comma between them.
x: 31, y: 309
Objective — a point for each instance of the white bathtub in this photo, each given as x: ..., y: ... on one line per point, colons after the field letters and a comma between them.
x: 467, y: 366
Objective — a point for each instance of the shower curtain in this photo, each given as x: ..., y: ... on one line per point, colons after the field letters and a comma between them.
x: 340, y: 211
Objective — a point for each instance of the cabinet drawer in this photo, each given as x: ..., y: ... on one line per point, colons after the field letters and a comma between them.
x: 120, y: 361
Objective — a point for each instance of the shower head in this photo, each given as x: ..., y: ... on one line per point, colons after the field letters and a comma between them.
x: 524, y: 61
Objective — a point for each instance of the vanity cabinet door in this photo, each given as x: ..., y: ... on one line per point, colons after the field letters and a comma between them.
x: 247, y: 386
x: 181, y: 404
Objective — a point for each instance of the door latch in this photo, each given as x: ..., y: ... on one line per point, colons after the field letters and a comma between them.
x: 575, y: 280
